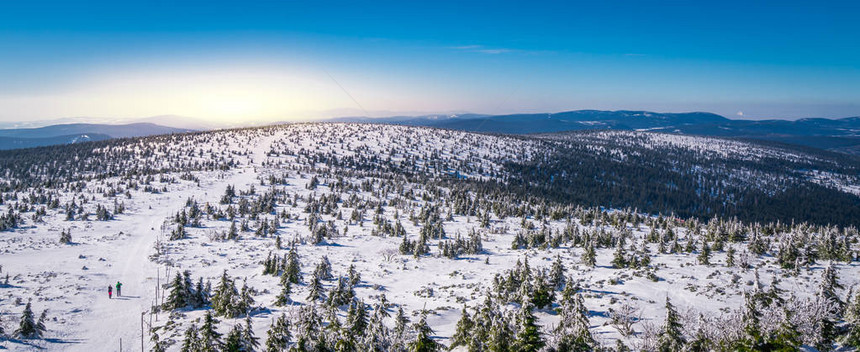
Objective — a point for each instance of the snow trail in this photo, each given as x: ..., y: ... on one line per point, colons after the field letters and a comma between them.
x: 111, y: 322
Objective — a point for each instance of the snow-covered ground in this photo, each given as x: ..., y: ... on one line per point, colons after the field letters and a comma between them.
x: 69, y: 280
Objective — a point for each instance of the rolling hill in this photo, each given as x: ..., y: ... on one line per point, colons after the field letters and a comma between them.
x: 841, y: 135
x: 78, y: 132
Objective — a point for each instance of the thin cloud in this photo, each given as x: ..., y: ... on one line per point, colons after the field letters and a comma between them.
x: 494, y: 51
x: 466, y: 47
x: 483, y: 50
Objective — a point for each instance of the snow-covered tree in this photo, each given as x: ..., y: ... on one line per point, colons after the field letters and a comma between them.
x: 278, y: 336
x: 671, y: 335
x: 28, y: 326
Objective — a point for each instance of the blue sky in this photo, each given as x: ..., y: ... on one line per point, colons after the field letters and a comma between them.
x: 276, y: 60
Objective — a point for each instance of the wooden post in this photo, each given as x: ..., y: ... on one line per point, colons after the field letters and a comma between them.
x: 141, y: 331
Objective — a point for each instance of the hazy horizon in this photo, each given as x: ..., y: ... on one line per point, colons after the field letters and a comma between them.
x: 194, y: 120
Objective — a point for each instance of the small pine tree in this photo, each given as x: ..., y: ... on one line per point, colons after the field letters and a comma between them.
x: 40, y: 324
x: 293, y: 268
x: 283, y: 298
x: 573, y: 328
x: 246, y: 301
x: 225, y: 296
x: 705, y: 254
x: 356, y: 318
x: 786, y: 337
x: 191, y: 342
x: 27, y: 328
x: 201, y: 294
x: 401, y: 322
x: 278, y: 335
x: 462, y: 334
x: 423, y: 342
x: 315, y: 289
x: 619, y: 259
x: 233, y: 342
x: 354, y: 276
x: 730, y: 257
x: 210, y: 338
x: 589, y: 258
x: 671, y: 336
x: 66, y: 236
x: 176, y: 299
x: 249, y: 341
x: 556, y: 274
x: 500, y: 335
x: 234, y: 233
x: 528, y: 333
x: 828, y: 287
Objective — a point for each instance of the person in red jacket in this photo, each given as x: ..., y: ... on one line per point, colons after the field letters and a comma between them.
x: 110, y: 291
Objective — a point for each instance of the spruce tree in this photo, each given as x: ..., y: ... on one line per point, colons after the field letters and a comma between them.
x: 852, y: 316
x: 573, y: 327
x: 293, y: 268
x: 40, y: 324
x: 786, y: 337
x: 191, y: 342
x: 557, y: 273
x: 27, y: 327
x: 283, y: 298
x: 828, y: 287
x: 278, y: 335
x: 315, y: 289
x: 188, y: 285
x: 671, y: 337
x: 542, y: 294
x: 176, y: 299
x: 423, y: 342
x: 619, y: 259
x: 357, y: 318
x: 246, y: 301
x: 528, y: 337
x: 589, y: 258
x: 210, y: 338
x: 354, y: 276
x: 66, y: 236
x: 500, y: 335
x: 233, y: 342
x: 704, y: 256
x: 401, y: 323
x: 463, y: 331
x: 730, y: 257
x: 201, y: 295
x: 752, y: 339
x: 700, y: 342
x: 249, y: 341
x: 225, y: 296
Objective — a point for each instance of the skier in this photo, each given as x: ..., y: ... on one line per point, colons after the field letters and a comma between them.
x: 110, y: 291
x: 118, y: 289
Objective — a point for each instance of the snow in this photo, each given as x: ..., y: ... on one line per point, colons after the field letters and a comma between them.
x: 69, y: 280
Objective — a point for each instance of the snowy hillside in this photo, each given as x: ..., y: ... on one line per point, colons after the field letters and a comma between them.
x: 359, y: 237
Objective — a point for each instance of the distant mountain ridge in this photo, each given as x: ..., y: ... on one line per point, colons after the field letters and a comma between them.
x: 78, y: 132
x: 841, y: 135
